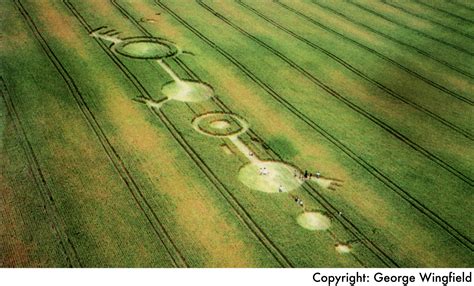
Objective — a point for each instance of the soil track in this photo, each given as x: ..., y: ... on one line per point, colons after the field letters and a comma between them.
x: 461, y: 238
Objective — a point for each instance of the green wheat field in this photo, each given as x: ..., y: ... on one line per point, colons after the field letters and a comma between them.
x: 162, y: 133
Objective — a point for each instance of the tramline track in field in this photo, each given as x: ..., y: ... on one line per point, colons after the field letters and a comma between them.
x: 361, y: 74
x: 238, y: 209
x: 393, y: 39
x: 409, y: 28
x: 376, y: 53
x: 34, y: 168
x: 112, y: 154
x: 405, y: 10
x: 447, y: 12
x: 463, y: 239
x: 429, y: 155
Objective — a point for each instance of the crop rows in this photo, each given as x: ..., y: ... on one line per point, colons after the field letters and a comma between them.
x: 412, y: 29
x: 237, y: 207
x: 49, y: 206
x: 112, y: 154
x: 428, y: 20
x: 361, y: 74
x: 348, y: 102
x: 383, y: 178
x: 380, y: 55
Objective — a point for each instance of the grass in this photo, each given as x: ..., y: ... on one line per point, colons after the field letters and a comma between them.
x: 130, y: 185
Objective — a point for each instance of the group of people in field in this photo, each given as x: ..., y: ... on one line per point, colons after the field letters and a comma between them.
x: 263, y: 171
x: 302, y: 176
x: 299, y: 202
x: 307, y: 175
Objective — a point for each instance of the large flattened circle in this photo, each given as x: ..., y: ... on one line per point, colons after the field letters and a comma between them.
x: 270, y: 177
x: 314, y: 221
x: 145, y: 48
x: 187, y: 91
x: 220, y: 124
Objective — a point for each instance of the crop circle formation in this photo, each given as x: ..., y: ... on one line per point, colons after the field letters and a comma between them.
x: 187, y: 91
x: 314, y: 221
x: 219, y: 124
x: 145, y: 48
x: 270, y: 177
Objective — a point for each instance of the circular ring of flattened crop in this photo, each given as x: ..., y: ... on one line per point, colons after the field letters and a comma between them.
x: 145, y: 48
x: 220, y: 124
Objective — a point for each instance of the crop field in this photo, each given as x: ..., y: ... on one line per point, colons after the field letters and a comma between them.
x: 161, y: 133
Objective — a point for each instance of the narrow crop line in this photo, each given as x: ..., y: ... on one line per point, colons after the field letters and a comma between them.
x: 34, y: 168
x: 376, y: 53
x: 409, y: 28
x: 100, y: 134
x: 459, y: 4
x: 405, y: 10
x: 394, y: 39
x: 446, y: 12
x: 360, y: 73
x: 440, y: 162
x: 463, y: 239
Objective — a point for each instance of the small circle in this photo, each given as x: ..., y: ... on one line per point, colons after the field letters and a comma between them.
x: 343, y: 248
x: 187, y: 91
x: 270, y: 177
x: 220, y: 124
x: 314, y: 221
x: 145, y: 48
